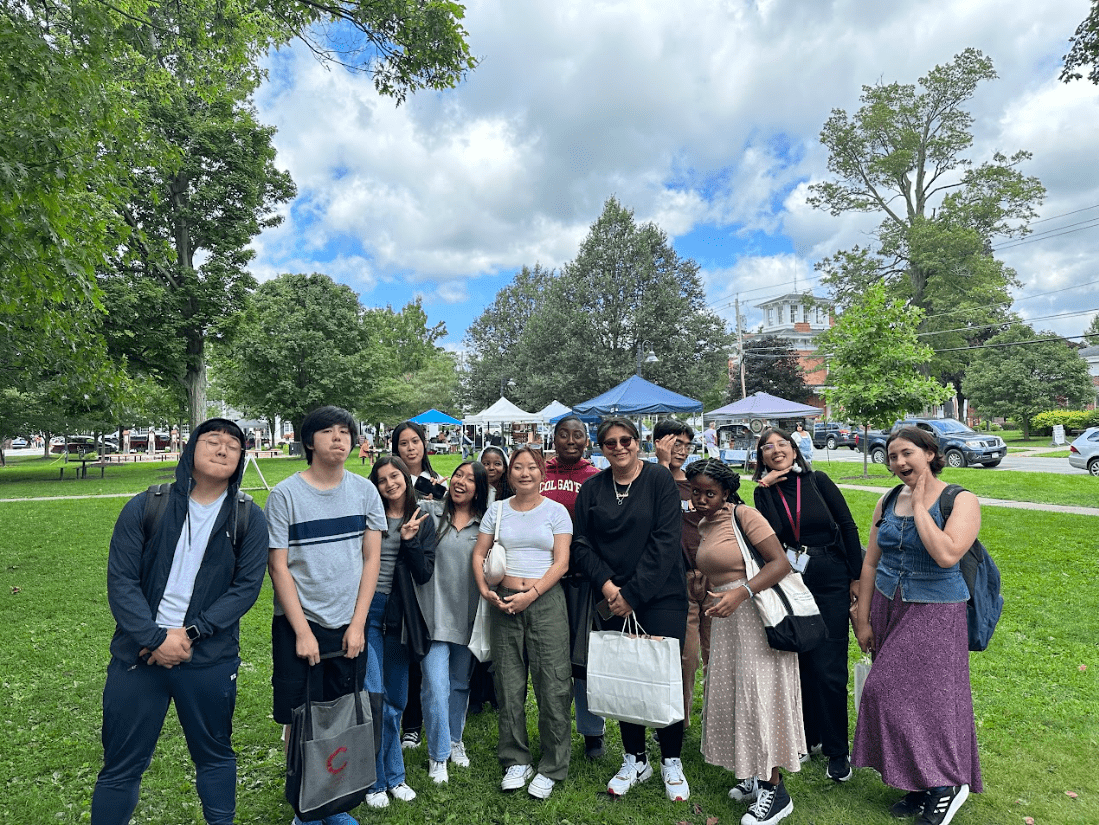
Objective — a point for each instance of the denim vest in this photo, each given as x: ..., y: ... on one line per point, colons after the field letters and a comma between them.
x: 905, y: 563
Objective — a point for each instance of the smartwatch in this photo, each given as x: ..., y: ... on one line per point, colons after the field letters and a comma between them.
x: 193, y: 633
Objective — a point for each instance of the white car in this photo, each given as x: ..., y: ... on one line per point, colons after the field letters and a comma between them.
x: 1083, y: 453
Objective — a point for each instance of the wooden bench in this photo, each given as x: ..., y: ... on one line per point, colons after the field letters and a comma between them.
x: 82, y: 470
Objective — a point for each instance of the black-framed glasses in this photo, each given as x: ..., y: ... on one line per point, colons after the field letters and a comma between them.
x: 612, y: 443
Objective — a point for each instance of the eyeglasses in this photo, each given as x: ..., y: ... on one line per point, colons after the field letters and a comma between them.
x: 680, y: 445
x: 231, y: 445
x: 767, y: 448
x: 612, y: 443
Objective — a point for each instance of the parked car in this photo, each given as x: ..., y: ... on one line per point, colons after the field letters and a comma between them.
x: 139, y: 441
x: 1083, y: 453
x: 18, y: 443
x: 832, y: 434
x: 961, y: 446
x: 76, y: 444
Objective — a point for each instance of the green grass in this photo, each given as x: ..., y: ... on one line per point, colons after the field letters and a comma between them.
x: 1043, y: 488
x: 1037, y: 712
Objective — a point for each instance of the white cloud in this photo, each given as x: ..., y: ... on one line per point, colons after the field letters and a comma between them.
x: 696, y: 113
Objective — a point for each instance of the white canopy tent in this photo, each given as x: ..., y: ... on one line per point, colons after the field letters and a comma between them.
x: 502, y: 412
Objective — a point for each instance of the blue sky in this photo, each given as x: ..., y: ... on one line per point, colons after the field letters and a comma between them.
x: 703, y: 117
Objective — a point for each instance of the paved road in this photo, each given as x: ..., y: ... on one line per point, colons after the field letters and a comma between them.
x: 1012, y: 461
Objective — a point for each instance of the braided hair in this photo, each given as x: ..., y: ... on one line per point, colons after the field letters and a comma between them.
x: 720, y: 472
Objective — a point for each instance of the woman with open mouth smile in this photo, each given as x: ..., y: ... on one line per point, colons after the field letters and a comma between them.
x: 915, y: 723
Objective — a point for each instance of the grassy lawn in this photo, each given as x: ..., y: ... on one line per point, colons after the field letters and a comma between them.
x: 1043, y: 488
x: 1037, y: 710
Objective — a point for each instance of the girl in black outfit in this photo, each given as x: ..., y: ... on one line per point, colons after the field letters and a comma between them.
x: 811, y: 518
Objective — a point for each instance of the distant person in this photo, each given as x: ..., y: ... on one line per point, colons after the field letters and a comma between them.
x: 175, y: 440
x: 126, y: 440
x: 177, y: 595
x: 366, y: 449
x: 150, y: 446
x: 805, y: 444
x: 325, y: 550
x: 710, y: 439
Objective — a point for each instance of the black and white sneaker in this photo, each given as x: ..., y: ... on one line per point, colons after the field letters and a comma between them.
x: 942, y: 804
x: 746, y: 790
x: 911, y: 804
x: 772, y: 805
x: 410, y: 739
x: 839, y: 768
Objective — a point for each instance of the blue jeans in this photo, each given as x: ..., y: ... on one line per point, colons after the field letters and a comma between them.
x: 587, y: 723
x: 135, y: 703
x: 387, y: 674
x: 445, y: 695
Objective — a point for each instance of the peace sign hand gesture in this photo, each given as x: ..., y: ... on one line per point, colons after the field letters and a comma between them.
x: 411, y: 527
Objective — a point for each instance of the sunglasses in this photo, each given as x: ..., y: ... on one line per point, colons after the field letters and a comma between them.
x: 612, y: 443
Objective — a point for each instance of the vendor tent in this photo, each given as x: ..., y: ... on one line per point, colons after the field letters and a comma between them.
x: 764, y: 405
x: 503, y: 411
x: 636, y: 396
x: 553, y: 412
x: 433, y: 416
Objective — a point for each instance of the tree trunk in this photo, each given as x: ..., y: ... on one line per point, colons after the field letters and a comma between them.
x: 195, y: 381
x: 1025, y: 424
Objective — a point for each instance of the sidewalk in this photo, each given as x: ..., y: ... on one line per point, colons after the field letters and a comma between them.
x: 996, y: 502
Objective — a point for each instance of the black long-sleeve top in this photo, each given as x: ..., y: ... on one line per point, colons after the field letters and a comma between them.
x: 822, y: 503
x: 636, y: 544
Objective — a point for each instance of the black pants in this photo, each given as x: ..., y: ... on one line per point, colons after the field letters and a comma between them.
x: 824, y: 669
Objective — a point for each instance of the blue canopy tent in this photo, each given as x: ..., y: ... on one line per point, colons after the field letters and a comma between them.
x: 433, y: 416
x: 636, y: 396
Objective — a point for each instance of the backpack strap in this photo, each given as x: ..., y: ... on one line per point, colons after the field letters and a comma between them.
x: 156, y: 502
x: 946, y: 500
x: 890, y: 497
x: 242, y: 507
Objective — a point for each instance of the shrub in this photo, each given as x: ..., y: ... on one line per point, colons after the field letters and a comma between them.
x: 1044, y: 422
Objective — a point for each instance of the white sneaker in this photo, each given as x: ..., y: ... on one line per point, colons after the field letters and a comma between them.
x: 458, y: 754
x: 436, y: 772
x: 378, y: 799
x: 675, y: 783
x: 629, y: 775
x: 746, y: 790
x: 541, y: 786
x: 402, y: 792
x: 516, y: 777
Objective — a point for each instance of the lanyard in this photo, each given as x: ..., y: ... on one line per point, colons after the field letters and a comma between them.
x: 796, y: 524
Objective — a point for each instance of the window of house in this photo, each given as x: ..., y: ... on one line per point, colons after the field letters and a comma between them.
x: 793, y: 313
x: 770, y: 316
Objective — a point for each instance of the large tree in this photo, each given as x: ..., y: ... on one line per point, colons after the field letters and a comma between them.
x: 771, y: 365
x: 1020, y: 373
x: 905, y: 154
x: 583, y: 330
x: 1084, y: 53
x: 874, y: 363
x: 299, y: 345
x: 1091, y: 334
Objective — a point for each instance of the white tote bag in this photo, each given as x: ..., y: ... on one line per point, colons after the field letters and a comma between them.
x: 862, y: 670
x: 633, y: 677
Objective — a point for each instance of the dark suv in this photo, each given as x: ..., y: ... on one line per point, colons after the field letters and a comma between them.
x: 831, y: 435
x: 961, y: 446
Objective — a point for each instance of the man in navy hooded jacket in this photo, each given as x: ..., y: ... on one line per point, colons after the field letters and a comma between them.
x: 177, y: 596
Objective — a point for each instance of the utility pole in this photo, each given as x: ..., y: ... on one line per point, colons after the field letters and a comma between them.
x: 740, y: 347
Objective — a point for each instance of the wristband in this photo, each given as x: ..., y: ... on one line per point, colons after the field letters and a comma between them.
x: 534, y: 587
x: 751, y: 595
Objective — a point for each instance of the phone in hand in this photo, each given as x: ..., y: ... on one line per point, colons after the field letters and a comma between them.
x: 603, y: 608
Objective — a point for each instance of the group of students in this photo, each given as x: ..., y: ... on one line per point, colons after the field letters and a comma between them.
x: 390, y: 570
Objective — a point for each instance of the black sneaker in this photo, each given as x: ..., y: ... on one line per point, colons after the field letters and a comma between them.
x: 593, y: 747
x: 942, y: 804
x: 910, y: 805
x: 772, y: 805
x: 839, y: 768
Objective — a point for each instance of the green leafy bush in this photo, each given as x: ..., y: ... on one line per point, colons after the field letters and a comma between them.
x: 1044, y: 423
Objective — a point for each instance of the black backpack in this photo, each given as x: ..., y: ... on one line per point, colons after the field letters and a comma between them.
x: 980, y: 572
x: 156, y: 502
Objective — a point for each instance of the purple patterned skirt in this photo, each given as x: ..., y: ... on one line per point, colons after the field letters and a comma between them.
x: 915, y: 724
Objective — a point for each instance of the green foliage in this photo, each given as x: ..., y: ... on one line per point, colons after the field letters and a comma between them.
x: 904, y: 154
x: 574, y: 335
x: 875, y: 361
x: 1084, y: 53
x: 1044, y: 422
x: 1022, y: 373
x: 771, y: 366
x: 1091, y: 334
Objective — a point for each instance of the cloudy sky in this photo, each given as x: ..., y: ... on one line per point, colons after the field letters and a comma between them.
x: 702, y: 116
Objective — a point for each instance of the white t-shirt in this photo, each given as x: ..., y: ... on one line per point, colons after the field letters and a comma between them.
x: 190, y: 549
x: 528, y: 535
